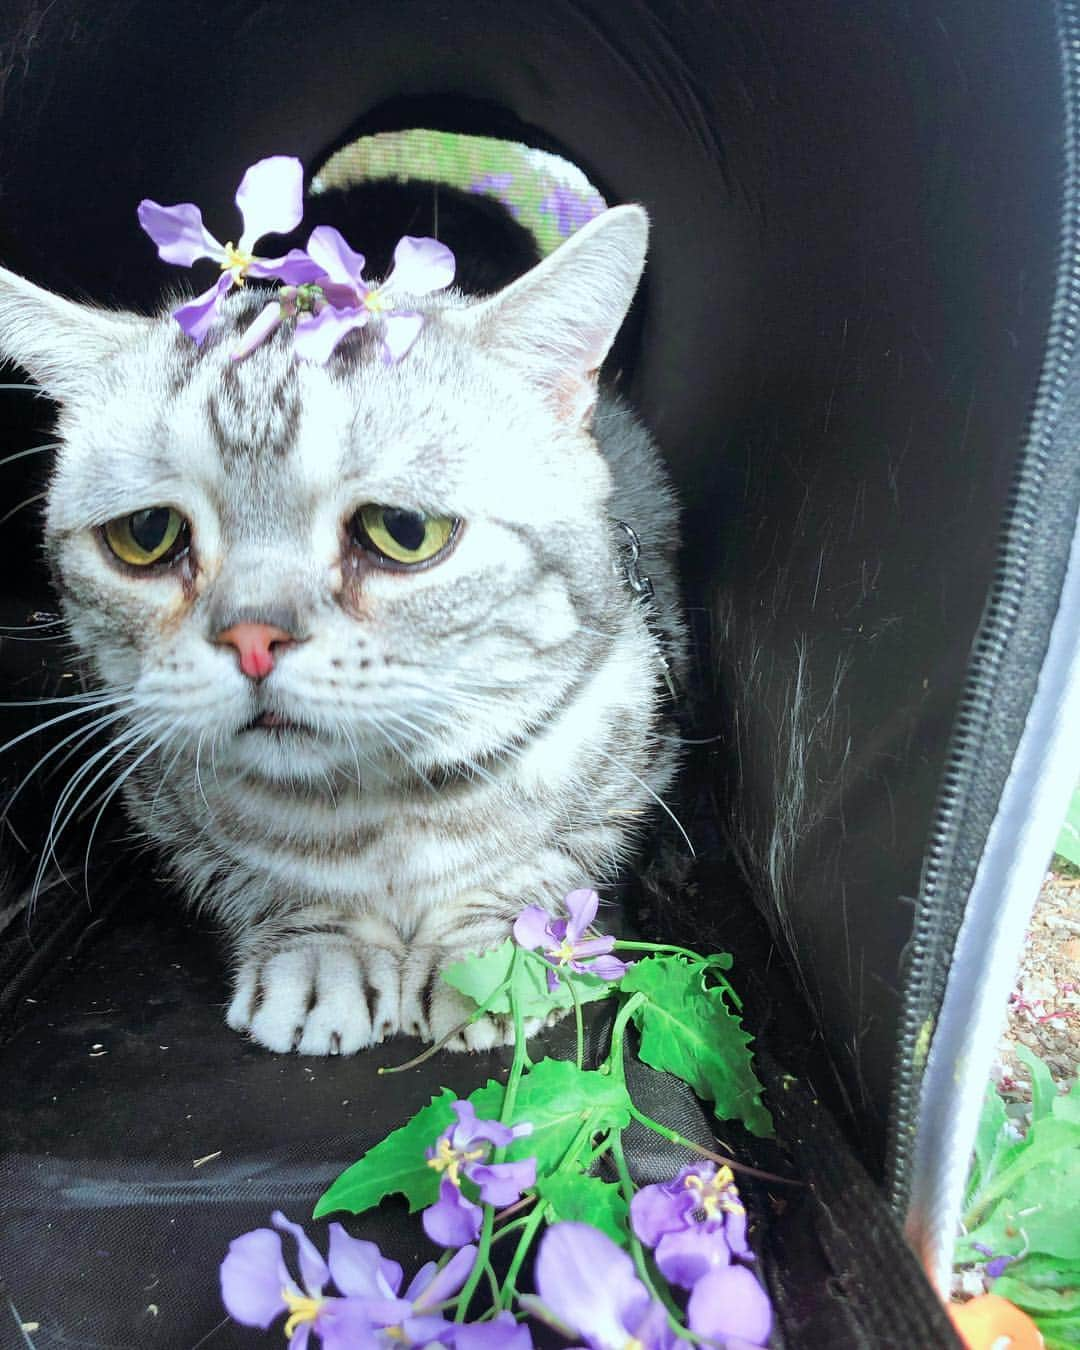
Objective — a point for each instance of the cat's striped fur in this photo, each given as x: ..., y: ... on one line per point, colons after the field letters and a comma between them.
x: 478, y: 735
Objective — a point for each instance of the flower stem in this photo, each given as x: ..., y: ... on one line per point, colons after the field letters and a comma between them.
x: 673, y: 1137
x: 578, y: 1020
x: 614, y: 1061
x: 425, y: 1055
x: 506, y: 1115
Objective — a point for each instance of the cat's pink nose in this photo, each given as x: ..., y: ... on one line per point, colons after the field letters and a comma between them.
x: 255, y: 643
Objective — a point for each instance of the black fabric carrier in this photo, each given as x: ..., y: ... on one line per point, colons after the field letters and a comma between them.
x: 855, y: 344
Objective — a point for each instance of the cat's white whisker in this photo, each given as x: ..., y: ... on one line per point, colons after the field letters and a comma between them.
x: 34, y: 450
x: 62, y: 717
x: 81, y: 735
x: 113, y: 789
x: 28, y: 501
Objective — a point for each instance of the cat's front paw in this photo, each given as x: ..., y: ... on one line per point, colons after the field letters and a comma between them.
x: 318, y: 996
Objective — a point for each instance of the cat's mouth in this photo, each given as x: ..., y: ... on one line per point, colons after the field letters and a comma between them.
x: 277, y: 724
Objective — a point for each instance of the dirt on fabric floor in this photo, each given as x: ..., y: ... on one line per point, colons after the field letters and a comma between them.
x: 1044, y: 1007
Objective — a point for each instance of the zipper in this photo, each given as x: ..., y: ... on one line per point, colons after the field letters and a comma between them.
x: 940, y: 904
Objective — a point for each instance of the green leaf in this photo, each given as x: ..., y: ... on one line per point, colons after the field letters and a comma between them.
x: 1068, y: 844
x: 1067, y: 1105
x: 1043, y: 1088
x: 1032, y: 1204
x: 1041, y: 1284
x: 575, y: 1198
x: 560, y: 1100
x: 687, y: 1029
x: 479, y: 977
x: 395, y: 1164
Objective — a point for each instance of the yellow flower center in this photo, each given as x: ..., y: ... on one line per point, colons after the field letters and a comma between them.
x: 563, y: 953
x: 714, y: 1196
x: 450, y: 1161
x: 237, y: 263
x: 301, y: 1310
x: 373, y: 301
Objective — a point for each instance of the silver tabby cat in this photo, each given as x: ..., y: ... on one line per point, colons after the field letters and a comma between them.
x: 377, y: 676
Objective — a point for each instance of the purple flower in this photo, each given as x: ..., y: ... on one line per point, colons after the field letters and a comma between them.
x: 462, y: 1150
x: 345, y: 301
x: 570, y: 208
x: 696, y: 1222
x: 586, y: 1286
x: 995, y: 1266
x: 560, y: 940
x: 731, y: 1307
x: 256, y: 1286
x: 270, y: 198
x: 501, y: 1333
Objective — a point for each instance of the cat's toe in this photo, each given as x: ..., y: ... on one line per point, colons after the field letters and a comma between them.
x: 317, y: 1000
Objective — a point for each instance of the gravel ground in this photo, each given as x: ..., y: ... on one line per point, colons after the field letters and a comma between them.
x: 1044, y: 1007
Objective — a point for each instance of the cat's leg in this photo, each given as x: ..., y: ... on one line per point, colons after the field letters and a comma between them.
x: 318, y: 983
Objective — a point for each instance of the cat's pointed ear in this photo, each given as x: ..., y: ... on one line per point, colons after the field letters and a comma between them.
x: 558, y: 321
x: 59, y: 343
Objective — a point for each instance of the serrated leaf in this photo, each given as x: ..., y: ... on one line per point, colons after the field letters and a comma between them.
x: 396, y: 1164
x: 479, y: 977
x: 559, y: 1099
x: 573, y: 1197
x: 687, y: 1029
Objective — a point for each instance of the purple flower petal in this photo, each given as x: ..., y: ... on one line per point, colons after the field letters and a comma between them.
x: 270, y: 198
x: 604, y: 967
x: 359, y: 1268
x: 431, y: 1285
x: 582, y: 907
x: 599, y: 946
x: 502, y: 1333
x: 343, y: 1324
x: 300, y: 1337
x: 197, y: 316
x: 400, y: 331
x: 531, y: 928
x: 420, y: 267
x: 589, y: 1284
x: 328, y: 250
x: 452, y: 1220
x: 253, y: 1274
x: 265, y: 322
x: 295, y: 268
x: 318, y: 334
x: 996, y: 1267
x: 502, y: 1183
x: 314, y: 1271
x: 465, y: 1131
x: 179, y: 232
x: 730, y: 1303
x: 683, y: 1257
x: 659, y: 1209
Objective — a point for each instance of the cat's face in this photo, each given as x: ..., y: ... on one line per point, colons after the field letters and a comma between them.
x: 428, y: 539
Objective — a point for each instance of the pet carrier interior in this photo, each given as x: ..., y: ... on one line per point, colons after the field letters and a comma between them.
x: 855, y: 345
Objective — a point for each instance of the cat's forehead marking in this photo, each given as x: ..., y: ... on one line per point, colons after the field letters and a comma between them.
x: 253, y: 414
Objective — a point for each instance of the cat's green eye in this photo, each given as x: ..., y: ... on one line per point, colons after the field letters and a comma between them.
x: 407, y: 538
x: 147, y: 537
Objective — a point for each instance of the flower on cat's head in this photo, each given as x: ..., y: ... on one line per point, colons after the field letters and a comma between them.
x: 561, y: 942
x: 462, y: 1150
x: 270, y: 198
x: 346, y: 301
